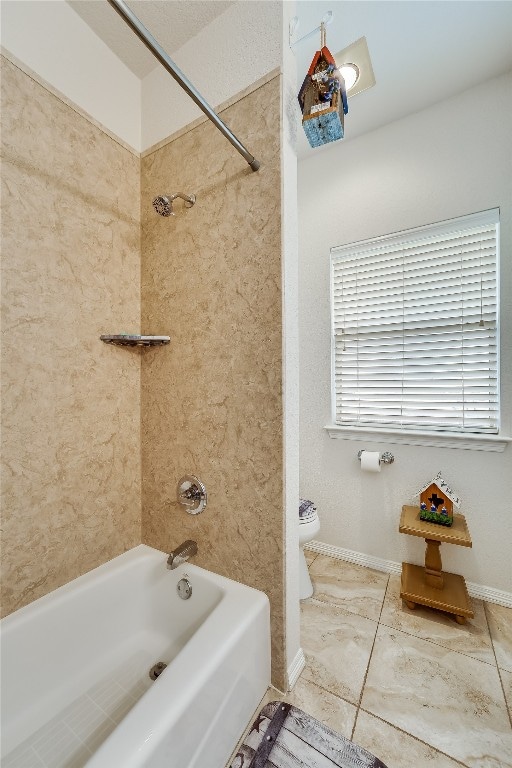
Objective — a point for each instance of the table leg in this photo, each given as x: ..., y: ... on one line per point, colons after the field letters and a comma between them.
x: 433, y: 564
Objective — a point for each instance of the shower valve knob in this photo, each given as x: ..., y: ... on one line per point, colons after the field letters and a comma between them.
x: 192, y: 494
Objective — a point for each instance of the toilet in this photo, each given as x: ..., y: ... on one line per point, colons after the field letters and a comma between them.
x: 309, y: 525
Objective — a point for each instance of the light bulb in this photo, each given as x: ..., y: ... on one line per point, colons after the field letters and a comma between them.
x: 350, y: 74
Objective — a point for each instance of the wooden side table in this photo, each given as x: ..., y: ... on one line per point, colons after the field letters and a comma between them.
x: 430, y: 585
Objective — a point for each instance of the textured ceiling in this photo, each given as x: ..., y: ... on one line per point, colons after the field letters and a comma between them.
x: 172, y: 22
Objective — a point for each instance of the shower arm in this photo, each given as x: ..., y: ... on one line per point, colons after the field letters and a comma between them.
x: 188, y: 198
x: 158, y: 52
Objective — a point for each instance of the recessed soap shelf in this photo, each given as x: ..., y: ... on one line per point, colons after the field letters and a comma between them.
x: 135, y: 340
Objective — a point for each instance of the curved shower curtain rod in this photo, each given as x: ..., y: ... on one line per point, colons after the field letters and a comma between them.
x: 158, y: 52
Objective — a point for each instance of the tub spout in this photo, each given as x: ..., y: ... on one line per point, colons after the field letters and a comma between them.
x: 181, y: 554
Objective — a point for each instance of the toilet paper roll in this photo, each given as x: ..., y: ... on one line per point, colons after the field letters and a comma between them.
x: 370, y: 461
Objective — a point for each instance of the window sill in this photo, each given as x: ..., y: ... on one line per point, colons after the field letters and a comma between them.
x: 495, y: 443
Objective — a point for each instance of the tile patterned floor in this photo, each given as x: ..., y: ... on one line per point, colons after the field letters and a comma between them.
x: 413, y: 687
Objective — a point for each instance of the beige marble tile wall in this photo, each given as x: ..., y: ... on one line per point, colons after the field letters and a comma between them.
x: 212, y: 400
x: 70, y: 404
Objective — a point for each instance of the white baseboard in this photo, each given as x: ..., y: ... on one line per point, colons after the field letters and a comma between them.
x: 359, y: 558
x: 479, y: 591
x: 489, y: 594
x: 296, y: 668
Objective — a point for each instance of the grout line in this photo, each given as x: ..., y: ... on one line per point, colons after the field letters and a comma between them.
x: 355, y: 721
x: 331, y: 693
x: 342, y: 607
x: 400, y: 629
x: 406, y: 733
x: 456, y: 761
x: 433, y: 642
x: 477, y: 591
x: 509, y: 712
x: 369, y: 660
x: 357, y: 706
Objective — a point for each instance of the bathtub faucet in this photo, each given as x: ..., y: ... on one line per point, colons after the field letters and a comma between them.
x: 181, y: 554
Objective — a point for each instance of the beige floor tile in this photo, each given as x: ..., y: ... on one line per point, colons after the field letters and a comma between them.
x: 500, y: 624
x: 506, y: 679
x: 472, y: 638
x: 335, y: 713
x: 337, y: 645
x: 310, y: 556
x: 451, y: 701
x: 272, y: 695
x: 395, y: 748
x: 357, y: 589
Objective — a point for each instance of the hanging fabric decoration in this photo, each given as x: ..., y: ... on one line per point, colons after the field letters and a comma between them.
x: 323, y: 98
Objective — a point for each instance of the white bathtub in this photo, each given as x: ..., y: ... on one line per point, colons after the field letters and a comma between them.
x: 75, y: 684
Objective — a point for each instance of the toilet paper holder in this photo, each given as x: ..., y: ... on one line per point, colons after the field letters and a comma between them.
x: 385, y: 458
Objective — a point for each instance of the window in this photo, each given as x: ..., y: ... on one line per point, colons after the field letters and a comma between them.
x: 414, y: 320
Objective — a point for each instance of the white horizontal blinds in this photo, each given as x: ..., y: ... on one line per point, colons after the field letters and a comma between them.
x: 415, y: 331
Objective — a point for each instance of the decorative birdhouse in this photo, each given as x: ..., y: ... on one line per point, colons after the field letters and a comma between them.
x: 323, y: 99
x: 437, y: 501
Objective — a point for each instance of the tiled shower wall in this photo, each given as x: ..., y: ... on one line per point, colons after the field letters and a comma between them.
x: 212, y: 400
x: 70, y: 404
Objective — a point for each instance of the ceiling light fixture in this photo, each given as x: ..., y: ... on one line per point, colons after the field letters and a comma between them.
x: 350, y: 74
x: 355, y: 60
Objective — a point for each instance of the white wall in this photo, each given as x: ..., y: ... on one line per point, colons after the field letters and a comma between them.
x: 235, y: 50
x: 52, y: 40
x: 451, y: 159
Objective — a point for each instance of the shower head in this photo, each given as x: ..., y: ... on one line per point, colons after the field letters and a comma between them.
x: 163, y: 203
x: 163, y: 206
